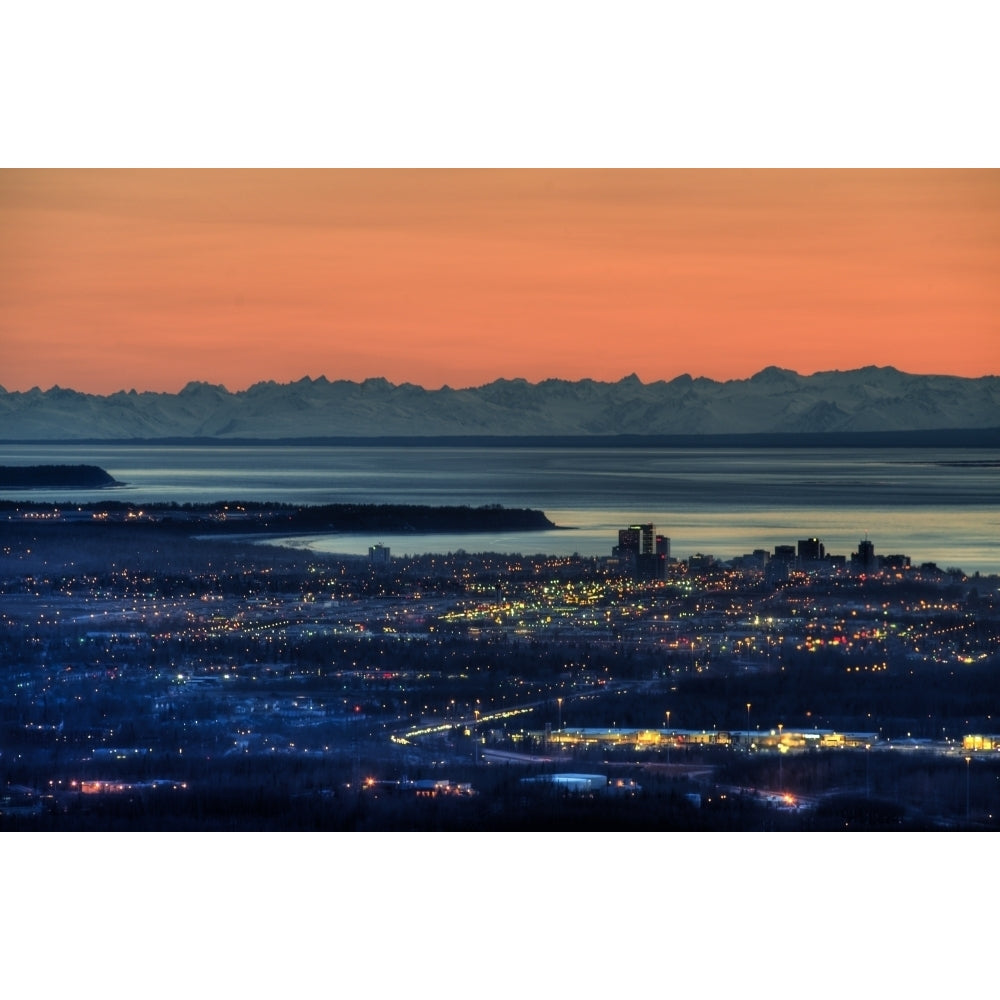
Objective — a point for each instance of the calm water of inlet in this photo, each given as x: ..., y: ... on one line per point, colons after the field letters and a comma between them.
x: 933, y: 505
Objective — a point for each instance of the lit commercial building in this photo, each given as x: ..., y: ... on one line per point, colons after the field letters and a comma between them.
x: 767, y: 739
x: 979, y: 742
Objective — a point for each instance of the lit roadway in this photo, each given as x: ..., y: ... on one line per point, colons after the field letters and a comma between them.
x: 411, y: 733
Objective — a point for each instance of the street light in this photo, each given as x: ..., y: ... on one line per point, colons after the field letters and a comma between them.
x: 781, y: 780
x: 868, y: 747
x: 668, y: 737
x: 748, y: 727
x: 559, y: 703
x: 968, y: 761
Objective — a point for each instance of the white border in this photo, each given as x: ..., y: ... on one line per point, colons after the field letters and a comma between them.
x: 541, y: 83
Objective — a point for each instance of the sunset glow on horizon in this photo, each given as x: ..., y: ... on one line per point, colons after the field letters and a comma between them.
x: 150, y: 279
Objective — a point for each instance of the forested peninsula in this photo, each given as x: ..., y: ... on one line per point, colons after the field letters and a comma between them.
x: 236, y: 517
x: 34, y: 477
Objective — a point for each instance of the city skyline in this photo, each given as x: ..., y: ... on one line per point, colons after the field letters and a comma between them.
x: 149, y: 279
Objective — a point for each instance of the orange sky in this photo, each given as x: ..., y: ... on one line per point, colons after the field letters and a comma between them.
x: 149, y: 279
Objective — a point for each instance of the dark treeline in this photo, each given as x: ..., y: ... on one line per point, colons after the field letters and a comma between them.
x: 282, y: 793
x: 28, y: 477
x: 235, y: 517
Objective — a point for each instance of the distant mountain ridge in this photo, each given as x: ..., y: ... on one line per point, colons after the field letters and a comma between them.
x: 774, y: 401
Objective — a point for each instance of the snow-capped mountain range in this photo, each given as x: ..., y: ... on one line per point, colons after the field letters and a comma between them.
x: 773, y: 401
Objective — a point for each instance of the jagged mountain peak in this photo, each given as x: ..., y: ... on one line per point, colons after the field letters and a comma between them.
x: 195, y: 388
x: 773, y: 374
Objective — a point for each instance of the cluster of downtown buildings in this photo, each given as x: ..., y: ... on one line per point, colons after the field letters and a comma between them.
x: 645, y: 555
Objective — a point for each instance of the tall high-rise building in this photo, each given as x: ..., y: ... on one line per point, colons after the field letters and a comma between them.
x: 629, y: 538
x: 647, y: 531
x: 811, y: 550
x: 662, y: 557
x: 865, y: 560
x: 378, y: 554
x: 639, y: 547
